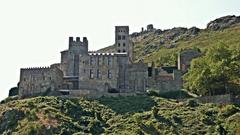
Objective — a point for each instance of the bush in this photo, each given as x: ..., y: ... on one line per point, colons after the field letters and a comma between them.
x: 13, y: 91
x: 229, y: 110
x: 192, y: 103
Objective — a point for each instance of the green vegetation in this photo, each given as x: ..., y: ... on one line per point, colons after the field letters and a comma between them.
x: 120, y: 115
x: 215, y: 73
x: 164, y: 56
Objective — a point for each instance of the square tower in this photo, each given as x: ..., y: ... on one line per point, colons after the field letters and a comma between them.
x: 122, y: 41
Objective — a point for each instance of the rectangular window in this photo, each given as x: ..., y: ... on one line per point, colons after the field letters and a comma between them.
x: 123, y: 37
x: 91, y: 60
x: 91, y: 74
x: 99, y: 74
x: 109, y: 74
x: 119, y: 37
x: 109, y: 61
x: 99, y: 61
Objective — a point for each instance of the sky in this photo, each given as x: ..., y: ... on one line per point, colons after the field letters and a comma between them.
x: 33, y: 32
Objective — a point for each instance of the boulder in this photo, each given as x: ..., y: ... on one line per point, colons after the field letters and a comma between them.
x: 223, y: 22
x: 150, y: 27
x: 193, y: 31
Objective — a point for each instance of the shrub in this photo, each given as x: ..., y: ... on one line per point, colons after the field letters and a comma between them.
x: 192, y: 103
x: 229, y: 110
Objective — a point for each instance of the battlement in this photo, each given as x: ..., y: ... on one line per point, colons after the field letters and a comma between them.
x: 36, y: 68
x: 77, y: 40
x: 105, y: 54
x: 39, y: 69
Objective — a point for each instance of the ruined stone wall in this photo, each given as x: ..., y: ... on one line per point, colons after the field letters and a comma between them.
x: 185, y: 57
x: 39, y: 80
x: 166, y: 82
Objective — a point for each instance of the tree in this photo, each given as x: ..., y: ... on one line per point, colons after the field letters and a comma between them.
x: 215, y: 73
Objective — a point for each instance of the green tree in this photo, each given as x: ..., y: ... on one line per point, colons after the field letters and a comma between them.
x: 215, y: 73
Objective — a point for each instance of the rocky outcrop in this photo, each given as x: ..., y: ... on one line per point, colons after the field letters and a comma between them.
x: 9, y: 119
x: 223, y: 22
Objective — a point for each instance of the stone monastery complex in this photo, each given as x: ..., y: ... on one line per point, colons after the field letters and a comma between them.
x: 82, y: 73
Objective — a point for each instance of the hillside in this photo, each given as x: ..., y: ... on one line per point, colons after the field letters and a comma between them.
x: 123, y: 115
x: 162, y: 46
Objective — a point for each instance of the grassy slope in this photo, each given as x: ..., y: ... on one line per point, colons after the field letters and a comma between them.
x: 203, y: 40
x: 122, y: 115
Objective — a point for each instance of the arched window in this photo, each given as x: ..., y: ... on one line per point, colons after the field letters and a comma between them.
x: 119, y: 51
x: 124, y: 44
x: 118, y: 44
x: 124, y: 50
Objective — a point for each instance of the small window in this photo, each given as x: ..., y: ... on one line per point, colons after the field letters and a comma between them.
x: 109, y: 61
x: 124, y: 44
x: 119, y: 37
x: 24, y: 79
x: 124, y: 50
x: 118, y: 44
x: 99, y: 61
x: 50, y: 78
x: 91, y: 60
x: 119, y: 51
x: 99, y: 74
x: 109, y: 74
x: 43, y: 78
x: 91, y: 74
x: 123, y: 37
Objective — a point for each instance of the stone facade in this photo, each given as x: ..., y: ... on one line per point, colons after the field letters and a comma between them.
x: 164, y: 79
x: 38, y: 80
x: 82, y: 73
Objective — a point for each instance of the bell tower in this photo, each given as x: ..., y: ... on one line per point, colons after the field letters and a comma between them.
x: 122, y: 41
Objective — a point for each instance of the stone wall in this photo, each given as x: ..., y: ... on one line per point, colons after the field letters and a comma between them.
x: 70, y: 58
x: 100, y: 71
x: 218, y: 99
x: 96, y: 94
x: 137, y: 74
x: 39, y: 80
x: 166, y: 82
x: 185, y: 57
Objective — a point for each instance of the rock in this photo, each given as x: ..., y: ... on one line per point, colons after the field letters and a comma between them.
x: 175, y: 32
x: 173, y: 45
x: 162, y: 42
x: 9, y: 119
x: 193, y: 31
x: 150, y: 27
x: 135, y: 34
x: 223, y: 22
x: 158, y: 31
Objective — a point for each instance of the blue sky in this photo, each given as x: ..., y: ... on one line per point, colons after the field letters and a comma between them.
x: 33, y: 32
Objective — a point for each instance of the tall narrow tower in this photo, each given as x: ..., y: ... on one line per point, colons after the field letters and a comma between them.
x: 122, y: 41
